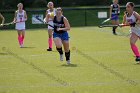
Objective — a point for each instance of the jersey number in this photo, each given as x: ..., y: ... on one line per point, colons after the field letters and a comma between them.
x: 21, y: 19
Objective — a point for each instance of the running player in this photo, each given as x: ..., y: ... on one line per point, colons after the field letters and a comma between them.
x: 133, y: 18
x: 49, y: 19
x: 19, y: 19
x: 3, y: 19
x: 114, y: 12
x: 60, y: 34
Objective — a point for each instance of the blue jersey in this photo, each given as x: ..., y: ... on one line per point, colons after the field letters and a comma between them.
x: 63, y: 35
x: 115, y: 8
x: 58, y: 24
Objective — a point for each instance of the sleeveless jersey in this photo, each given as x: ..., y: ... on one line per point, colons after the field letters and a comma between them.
x: 115, y: 8
x: 59, y: 24
x: 49, y: 11
x: 19, y: 18
x: 132, y: 19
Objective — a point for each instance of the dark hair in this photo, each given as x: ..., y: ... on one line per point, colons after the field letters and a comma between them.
x: 131, y: 4
x: 59, y: 9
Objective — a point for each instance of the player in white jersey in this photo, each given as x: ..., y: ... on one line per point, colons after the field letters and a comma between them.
x: 50, y: 13
x: 19, y: 19
x: 3, y: 19
x: 133, y: 18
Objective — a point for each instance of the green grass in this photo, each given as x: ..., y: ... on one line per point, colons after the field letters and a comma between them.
x: 101, y: 63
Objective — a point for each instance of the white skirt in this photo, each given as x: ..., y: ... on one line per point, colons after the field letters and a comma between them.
x: 20, y: 26
x: 51, y: 23
x: 135, y: 30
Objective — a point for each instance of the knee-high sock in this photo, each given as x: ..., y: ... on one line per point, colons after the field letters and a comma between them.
x: 50, y: 42
x: 67, y: 55
x: 114, y: 29
x: 60, y: 50
x: 19, y: 39
x: 135, y: 49
x: 22, y: 38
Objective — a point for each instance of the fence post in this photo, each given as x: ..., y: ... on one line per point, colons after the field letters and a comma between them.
x: 85, y: 17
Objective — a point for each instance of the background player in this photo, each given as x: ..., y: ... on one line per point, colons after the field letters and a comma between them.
x: 2, y: 19
x: 49, y: 19
x: 19, y: 19
x: 133, y: 18
x: 60, y: 35
x: 114, y: 12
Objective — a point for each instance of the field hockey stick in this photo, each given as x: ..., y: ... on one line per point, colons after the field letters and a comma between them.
x: 10, y: 23
x: 43, y: 22
x: 6, y: 24
x: 120, y: 25
x: 108, y: 19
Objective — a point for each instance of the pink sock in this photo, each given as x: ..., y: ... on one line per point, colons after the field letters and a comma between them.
x: 22, y: 38
x: 19, y: 39
x: 50, y: 42
x: 135, y: 50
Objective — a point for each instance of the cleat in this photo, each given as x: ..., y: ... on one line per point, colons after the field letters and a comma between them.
x: 137, y: 59
x: 61, y: 57
x: 68, y: 62
x: 114, y: 33
x: 49, y: 49
x: 21, y: 45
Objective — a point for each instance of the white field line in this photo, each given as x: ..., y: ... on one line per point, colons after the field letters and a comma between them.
x: 57, y: 84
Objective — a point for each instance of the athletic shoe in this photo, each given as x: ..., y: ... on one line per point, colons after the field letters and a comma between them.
x: 21, y: 45
x: 68, y: 62
x: 114, y: 33
x: 49, y: 49
x: 61, y: 57
x: 137, y: 58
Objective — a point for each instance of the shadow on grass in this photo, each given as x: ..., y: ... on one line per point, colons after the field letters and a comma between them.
x: 52, y: 51
x: 138, y: 63
x: 28, y: 47
x: 70, y: 65
x: 122, y: 34
x: 3, y: 54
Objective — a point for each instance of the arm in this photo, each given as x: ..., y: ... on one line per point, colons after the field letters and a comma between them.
x: 137, y: 17
x: 124, y: 19
x: 15, y: 17
x: 3, y: 19
x: 110, y: 11
x: 25, y: 16
x: 67, y: 25
x: 124, y: 23
x: 49, y: 15
x: 46, y: 17
x: 118, y: 9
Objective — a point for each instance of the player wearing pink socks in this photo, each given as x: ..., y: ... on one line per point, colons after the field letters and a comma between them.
x: 50, y: 13
x: 19, y: 19
x: 133, y: 18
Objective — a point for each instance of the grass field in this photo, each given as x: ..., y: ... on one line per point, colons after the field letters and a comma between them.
x: 101, y: 63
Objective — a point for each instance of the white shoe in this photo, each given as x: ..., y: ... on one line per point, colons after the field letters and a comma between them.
x: 61, y: 57
x: 21, y: 45
x: 68, y: 62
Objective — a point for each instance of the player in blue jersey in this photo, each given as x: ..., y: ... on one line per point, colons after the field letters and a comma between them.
x: 60, y: 34
x: 114, y: 13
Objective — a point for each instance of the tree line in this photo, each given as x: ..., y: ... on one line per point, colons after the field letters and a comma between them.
x: 10, y: 4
